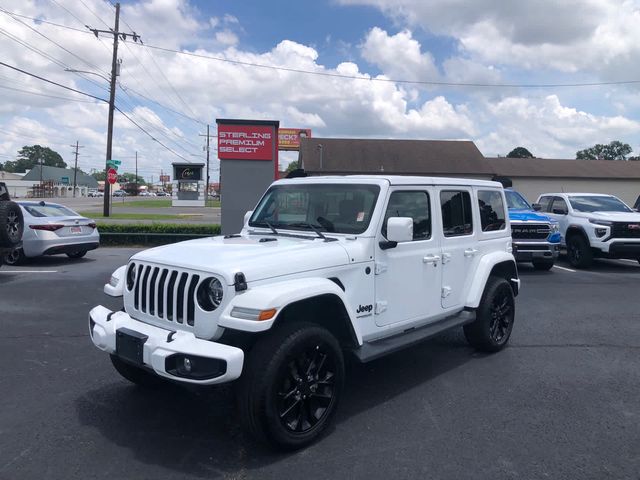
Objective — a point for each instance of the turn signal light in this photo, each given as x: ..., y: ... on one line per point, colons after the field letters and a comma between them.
x: 50, y: 227
x: 267, y: 314
x: 92, y: 225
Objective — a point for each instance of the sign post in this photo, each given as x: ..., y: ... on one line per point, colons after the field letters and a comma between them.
x: 248, y: 153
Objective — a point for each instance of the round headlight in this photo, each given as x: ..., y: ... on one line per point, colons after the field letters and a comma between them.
x: 210, y: 293
x: 132, y: 273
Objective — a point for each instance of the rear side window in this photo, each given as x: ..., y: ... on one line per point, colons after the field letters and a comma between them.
x: 492, y: 216
x: 414, y: 205
x: 456, y: 213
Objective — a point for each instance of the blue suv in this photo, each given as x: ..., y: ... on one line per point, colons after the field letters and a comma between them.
x: 536, y: 237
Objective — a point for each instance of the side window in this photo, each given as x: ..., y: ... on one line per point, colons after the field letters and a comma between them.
x: 545, y: 204
x: 413, y: 204
x: 492, y: 216
x: 559, y: 205
x: 456, y: 213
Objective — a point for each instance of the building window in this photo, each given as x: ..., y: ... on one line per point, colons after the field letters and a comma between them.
x: 492, y: 214
x: 456, y: 213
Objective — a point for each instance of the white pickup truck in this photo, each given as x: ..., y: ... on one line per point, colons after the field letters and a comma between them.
x: 324, y: 266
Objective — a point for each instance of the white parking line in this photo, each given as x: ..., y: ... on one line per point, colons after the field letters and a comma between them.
x: 28, y: 271
x: 564, y: 268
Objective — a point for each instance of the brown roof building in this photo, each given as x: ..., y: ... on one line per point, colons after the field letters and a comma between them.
x: 531, y: 176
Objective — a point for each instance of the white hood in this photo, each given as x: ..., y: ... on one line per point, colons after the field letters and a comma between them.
x: 630, y: 217
x: 247, y: 254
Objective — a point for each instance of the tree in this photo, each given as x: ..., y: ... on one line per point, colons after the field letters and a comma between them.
x: 615, y: 150
x: 129, y: 178
x: 519, y: 152
x: 30, y: 156
x: 292, y: 166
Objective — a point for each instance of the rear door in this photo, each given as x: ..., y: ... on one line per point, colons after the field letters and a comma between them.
x: 459, y: 249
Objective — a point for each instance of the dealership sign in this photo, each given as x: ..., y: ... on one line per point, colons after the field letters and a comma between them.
x: 187, y: 173
x: 289, y: 138
x: 245, y: 142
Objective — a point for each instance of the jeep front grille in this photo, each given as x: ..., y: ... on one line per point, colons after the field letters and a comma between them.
x: 625, y: 230
x: 530, y: 231
x: 165, y: 294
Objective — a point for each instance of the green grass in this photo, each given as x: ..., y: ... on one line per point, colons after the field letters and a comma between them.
x: 133, y: 216
x: 155, y: 203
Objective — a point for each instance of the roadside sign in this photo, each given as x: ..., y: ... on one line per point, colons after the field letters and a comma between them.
x: 112, y: 176
x: 114, y: 164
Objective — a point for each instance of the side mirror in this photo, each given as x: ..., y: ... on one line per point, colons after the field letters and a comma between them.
x: 247, y: 216
x: 559, y: 211
x: 399, y: 229
x: 536, y: 206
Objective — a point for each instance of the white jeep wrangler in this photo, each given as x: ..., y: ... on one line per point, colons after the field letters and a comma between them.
x: 324, y: 266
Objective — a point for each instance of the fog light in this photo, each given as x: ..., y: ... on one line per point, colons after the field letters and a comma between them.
x: 187, y: 365
x: 601, y: 232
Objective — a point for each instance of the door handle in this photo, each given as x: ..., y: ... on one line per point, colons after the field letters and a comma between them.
x: 470, y: 252
x: 431, y: 259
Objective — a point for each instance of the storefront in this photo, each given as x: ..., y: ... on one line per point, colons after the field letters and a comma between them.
x: 188, y: 186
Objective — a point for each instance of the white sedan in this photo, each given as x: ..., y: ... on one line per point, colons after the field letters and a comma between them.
x: 52, y: 229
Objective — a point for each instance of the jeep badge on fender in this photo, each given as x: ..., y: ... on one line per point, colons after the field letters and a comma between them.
x: 440, y: 250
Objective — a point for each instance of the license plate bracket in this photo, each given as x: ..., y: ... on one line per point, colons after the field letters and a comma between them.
x: 130, y: 345
x: 76, y: 230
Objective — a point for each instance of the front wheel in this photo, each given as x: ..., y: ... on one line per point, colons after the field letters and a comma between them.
x: 579, y: 252
x: 542, y: 264
x: 290, y: 386
x: 492, y: 328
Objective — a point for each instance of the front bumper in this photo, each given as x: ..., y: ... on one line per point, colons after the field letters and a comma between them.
x: 529, y: 251
x: 161, y: 344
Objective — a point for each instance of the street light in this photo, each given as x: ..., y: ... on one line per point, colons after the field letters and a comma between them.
x: 73, y: 70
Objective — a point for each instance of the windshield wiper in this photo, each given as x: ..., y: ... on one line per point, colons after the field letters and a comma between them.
x: 271, y: 227
x: 314, y: 228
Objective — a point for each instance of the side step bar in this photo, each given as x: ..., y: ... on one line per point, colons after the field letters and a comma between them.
x: 379, y: 348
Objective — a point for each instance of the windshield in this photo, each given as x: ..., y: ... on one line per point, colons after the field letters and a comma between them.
x: 516, y: 201
x: 49, y: 210
x: 332, y: 208
x: 598, y: 204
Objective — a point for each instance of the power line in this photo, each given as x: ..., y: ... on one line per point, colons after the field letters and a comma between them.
x: 52, y: 82
x: 39, y: 20
x: 371, y: 79
x: 45, y: 95
x: 126, y: 88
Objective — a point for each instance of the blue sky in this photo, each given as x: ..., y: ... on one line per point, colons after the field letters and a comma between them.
x: 172, y: 96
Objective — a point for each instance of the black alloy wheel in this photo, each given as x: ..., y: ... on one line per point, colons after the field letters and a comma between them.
x: 501, y: 315
x: 495, y: 316
x: 291, y: 384
x: 15, y: 257
x: 307, y: 386
x: 579, y: 251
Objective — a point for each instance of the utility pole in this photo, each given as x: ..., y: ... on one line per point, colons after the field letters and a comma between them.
x: 75, y: 168
x: 136, y: 173
x: 112, y: 95
x: 206, y: 187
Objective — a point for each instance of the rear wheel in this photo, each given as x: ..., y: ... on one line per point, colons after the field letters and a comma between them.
x: 15, y: 257
x: 135, y: 374
x: 542, y: 264
x: 79, y: 254
x: 291, y: 384
x: 492, y: 328
x: 579, y: 251
x: 11, y: 224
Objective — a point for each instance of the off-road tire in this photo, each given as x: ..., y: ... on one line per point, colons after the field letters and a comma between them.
x: 579, y: 251
x: 495, y: 315
x: 271, y: 385
x: 11, y: 224
x: 14, y: 257
x: 135, y: 374
x: 543, y: 265
x: 76, y: 255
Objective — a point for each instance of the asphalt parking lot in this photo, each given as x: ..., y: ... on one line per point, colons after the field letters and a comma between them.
x: 562, y: 401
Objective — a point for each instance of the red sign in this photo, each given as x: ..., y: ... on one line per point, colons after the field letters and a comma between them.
x: 165, y: 178
x: 245, y: 142
x: 289, y: 138
x: 112, y: 176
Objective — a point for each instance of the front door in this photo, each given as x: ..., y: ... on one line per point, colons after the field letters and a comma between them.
x: 458, y: 243
x: 408, y: 275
